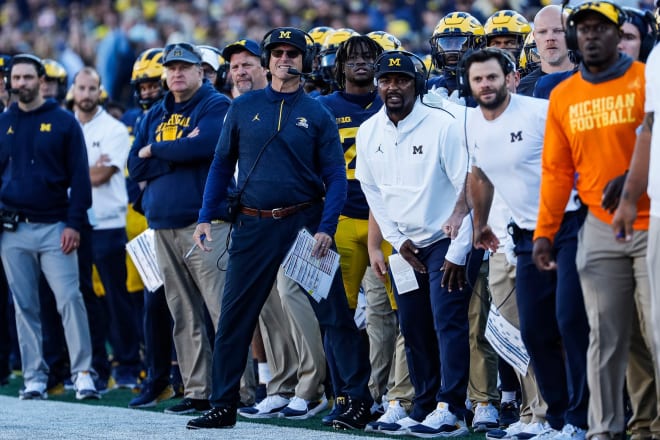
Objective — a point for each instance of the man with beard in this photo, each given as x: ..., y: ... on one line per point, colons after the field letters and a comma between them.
x: 551, y: 46
x: 590, y: 133
x: 411, y: 164
x: 516, y: 124
x: 108, y: 144
x: 45, y: 195
x: 245, y: 69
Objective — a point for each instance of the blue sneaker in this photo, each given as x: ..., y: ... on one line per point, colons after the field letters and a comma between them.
x: 340, y: 407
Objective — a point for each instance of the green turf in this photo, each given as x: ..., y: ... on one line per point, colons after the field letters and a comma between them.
x: 121, y: 397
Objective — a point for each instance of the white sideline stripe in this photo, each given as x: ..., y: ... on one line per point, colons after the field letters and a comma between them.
x: 45, y: 419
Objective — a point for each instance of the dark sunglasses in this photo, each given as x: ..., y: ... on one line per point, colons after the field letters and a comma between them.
x: 277, y: 53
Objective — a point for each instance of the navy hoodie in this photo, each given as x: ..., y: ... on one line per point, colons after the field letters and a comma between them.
x: 42, y: 156
x: 176, y: 173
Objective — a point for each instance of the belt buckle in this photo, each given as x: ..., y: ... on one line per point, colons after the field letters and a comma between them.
x: 277, y: 213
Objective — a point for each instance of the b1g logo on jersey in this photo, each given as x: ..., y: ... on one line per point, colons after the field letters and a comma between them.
x: 516, y: 137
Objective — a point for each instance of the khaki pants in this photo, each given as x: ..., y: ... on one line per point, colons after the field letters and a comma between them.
x: 306, y: 335
x: 278, y: 345
x: 482, y: 386
x: 399, y: 386
x: 502, y: 284
x: 613, y: 277
x: 191, y: 286
x: 382, y: 329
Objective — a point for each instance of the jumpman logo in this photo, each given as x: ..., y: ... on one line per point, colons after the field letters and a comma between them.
x: 256, y: 118
x: 379, y: 150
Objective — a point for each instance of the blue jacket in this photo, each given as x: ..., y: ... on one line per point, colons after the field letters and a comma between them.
x: 176, y: 172
x: 42, y: 156
x: 302, y: 160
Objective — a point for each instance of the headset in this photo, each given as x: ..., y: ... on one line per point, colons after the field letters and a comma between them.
x: 503, y: 58
x: 570, y: 32
x: 29, y: 58
x: 648, y: 35
x: 308, y: 55
x: 420, y: 69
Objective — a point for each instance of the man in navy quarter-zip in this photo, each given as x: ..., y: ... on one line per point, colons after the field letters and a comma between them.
x: 289, y: 158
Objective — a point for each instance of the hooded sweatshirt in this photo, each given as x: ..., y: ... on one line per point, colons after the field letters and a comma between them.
x: 176, y: 173
x: 43, y: 163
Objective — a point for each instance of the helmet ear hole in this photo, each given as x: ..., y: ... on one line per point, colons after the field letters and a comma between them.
x: 148, y: 67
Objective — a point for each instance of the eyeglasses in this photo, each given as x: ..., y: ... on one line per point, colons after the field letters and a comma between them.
x: 354, y: 65
x: 277, y: 53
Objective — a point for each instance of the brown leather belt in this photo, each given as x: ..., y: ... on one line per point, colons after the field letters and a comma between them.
x: 276, y: 213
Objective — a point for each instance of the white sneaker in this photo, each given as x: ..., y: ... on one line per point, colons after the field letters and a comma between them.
x: 393, y: 414
x: 532, y: 430
x: 84, y: 386
x: 301, y: 409
x: 486, y: 417
x: 570, y: 432
x: 400, y: 427
x: 267, y: 408
x: 439, y: 423
x: 504, y: 434
x: 547, y: 434
x: 33, y: 391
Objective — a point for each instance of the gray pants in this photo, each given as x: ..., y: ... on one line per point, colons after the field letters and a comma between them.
x: 31, y: 248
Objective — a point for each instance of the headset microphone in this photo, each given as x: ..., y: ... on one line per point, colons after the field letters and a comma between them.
x: 294, y: 71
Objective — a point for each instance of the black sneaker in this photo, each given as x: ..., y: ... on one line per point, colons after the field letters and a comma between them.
x: 356, y: 416
x: 339, y: 408
x: 214, y: 418
x: 509, y: 413
x: 188, y: 405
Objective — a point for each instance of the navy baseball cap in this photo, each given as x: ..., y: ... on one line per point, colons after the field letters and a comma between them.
x: 395, y: 62
x: 240, y: 46
x: 286, y: 35
x: 183, y: 52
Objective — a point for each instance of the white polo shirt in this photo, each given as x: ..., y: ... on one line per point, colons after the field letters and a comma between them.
x: 411, y: 174
x: 650, y: 105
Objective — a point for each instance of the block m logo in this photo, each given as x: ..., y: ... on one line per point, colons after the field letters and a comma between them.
x: 417, y: 149
x: 45, y: 127
x: 395, y: 62
x: 516, y: 137
x: 285, y: 34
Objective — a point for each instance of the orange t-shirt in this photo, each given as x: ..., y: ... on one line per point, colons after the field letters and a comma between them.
x: 589, y: 139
